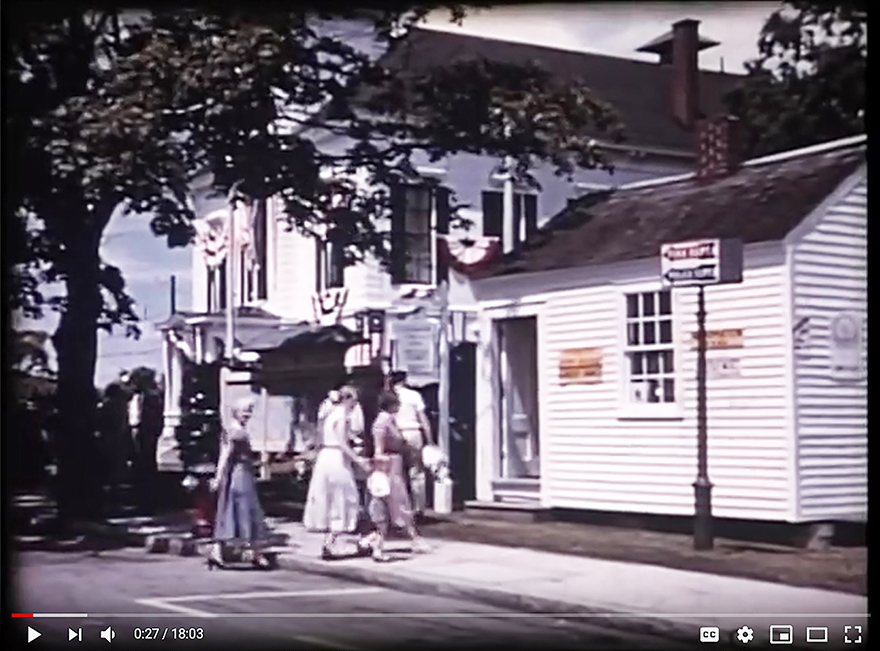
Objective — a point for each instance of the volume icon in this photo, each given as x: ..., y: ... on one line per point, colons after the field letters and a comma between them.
x: 74, y: 635
x: 108, y: 634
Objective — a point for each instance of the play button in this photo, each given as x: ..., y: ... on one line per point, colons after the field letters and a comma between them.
x: 32, y: 634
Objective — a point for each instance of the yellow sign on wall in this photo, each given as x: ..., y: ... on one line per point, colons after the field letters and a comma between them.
x: 580, y: 366
x: 721, y: 339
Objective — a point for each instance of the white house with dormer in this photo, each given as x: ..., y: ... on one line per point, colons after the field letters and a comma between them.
x: 289, y: 280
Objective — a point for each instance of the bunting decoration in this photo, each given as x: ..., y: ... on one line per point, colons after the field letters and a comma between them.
x: 467, y: 255
x: 327, y: 305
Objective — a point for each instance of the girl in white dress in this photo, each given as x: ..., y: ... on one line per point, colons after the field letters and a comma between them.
x: 332, y: 504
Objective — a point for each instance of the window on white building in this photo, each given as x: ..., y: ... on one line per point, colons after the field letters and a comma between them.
x: 217, y: 287
x: 420, y: 212
x: 649, y: 349
x: 525, y: 214
x: 259, y: 281
x: 330, y: 258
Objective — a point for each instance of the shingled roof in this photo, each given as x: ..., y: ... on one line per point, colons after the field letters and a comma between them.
x: 762, y: 201
x: 639, y: 90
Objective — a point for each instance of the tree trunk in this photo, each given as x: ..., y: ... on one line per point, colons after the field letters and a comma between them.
x: 76, y: 344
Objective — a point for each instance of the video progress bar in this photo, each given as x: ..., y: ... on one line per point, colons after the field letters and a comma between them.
x: 54, y: 615
x: 453, y: 615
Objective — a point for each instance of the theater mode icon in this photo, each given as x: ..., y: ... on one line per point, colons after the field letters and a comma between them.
x: 817, y: 634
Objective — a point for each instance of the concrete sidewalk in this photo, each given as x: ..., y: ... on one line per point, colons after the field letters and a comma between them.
x: 640, y: 598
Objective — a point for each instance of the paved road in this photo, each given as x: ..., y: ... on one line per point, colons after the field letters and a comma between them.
x: 142, y: 595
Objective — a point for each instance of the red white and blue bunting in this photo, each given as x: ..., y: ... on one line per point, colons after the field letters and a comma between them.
x: 467, y: 255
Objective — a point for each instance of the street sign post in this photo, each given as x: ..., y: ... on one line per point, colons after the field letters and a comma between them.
x: 696, y: 264
x: 701, y: 262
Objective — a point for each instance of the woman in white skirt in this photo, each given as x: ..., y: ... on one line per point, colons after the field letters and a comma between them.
x: 332, y: 504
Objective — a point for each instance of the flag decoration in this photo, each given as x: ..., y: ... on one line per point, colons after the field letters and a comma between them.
x: 212, y: 238
x: 801, y: 332
x: 212, y: 233
x: 466, y: 255
x: 243, y: 214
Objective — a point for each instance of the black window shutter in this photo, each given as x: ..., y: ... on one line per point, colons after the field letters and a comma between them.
x: 531, y: 210
x: 398, y: 234
x: 444, y: 211
x: 336, y: 261
x: 319, y: 264
x: 261, y: 238
x: 493, y: 211
x: 221, y: 280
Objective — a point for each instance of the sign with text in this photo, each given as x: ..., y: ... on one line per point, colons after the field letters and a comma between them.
x: 718, y: 368
x: 415, y: 347
x: 701, y: 262
x: 580, y: 366
x: 721, y: 339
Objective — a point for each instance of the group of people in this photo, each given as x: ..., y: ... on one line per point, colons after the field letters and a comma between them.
x: 349, y: 486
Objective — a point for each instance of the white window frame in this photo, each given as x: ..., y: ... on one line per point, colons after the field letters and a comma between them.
x: 627, y: 409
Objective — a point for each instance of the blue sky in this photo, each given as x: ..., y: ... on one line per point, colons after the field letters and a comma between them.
x: 614, y: 28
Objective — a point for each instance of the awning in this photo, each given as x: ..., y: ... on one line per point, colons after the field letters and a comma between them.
x: 247, y: 313
x: 302, y: 335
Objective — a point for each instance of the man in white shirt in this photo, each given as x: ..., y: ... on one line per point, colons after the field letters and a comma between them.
x: 413, y: 422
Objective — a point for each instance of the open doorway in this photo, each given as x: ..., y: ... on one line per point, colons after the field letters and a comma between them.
x: 519, y: 447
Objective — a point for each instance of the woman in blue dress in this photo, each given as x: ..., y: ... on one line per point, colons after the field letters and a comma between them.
x: 239, y: 518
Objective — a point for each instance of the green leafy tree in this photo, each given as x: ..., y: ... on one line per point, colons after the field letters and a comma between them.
x: 808, y: 83
x: 111, y: 112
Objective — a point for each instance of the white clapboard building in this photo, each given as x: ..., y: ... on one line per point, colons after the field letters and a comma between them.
x: 294, y: 292
x: 586, y: 395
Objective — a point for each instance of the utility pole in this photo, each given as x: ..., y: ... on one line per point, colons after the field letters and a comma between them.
x: 443, y: 389
x: 703, y: 536
x: 230, y: 281
x: 442, y: 486
x: 173, y: 295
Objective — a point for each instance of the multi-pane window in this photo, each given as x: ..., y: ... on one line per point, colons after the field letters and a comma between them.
x: 420, y: 214
x: 650, y: 353
x: 330, y: 273
x: 417, y: 226
x: 217, y: 278
x: 259, y: 280
x: 525, y: 214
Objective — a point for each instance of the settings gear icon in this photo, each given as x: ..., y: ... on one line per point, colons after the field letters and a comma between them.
x: 745, y: 635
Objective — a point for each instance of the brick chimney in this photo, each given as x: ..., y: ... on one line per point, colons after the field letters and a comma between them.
x: 679, y: 51
x: 719, y: 147
x: 685, y: 72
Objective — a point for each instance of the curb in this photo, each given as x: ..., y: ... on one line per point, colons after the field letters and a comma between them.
x: 616, y: 620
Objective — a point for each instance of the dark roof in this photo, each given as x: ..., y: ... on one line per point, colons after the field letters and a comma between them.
x: 662, y: 43
x: 639, y: 90
x: 300, y: 335
x: 760, y: 202
x: 180, y: 317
